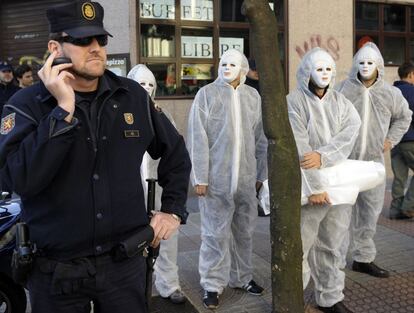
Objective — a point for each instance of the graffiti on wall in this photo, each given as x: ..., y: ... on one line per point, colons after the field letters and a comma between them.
x: 330, y: 44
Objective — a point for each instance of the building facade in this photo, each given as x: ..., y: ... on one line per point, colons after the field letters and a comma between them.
x: 181, y: 41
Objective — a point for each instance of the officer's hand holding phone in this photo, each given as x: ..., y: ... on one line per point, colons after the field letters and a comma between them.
x: 57, y: 81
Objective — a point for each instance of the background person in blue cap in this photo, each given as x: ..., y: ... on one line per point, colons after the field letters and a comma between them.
x: 71, y: 146
x: 7, y: 86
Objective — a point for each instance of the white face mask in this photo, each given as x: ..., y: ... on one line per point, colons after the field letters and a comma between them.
x: 322, y: 73
x: 147, y: 85
x: 367, y: 68
x: 366, y: 62
x: 229, y: 69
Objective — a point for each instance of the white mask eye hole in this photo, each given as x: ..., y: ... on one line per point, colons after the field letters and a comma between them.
x: 370, y: 63
x: 329, y: 69
x: 224, y: 64
x: 319, y: 69
x: 143, y: 84
x: 151, y: 85
x: 361, y: 63
x: 233, y: 65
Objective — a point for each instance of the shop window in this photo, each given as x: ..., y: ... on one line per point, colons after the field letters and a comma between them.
x: 411, y: 50
x: 234, y: 39
x: 195, y: 76
x: 157, y: 41
x: 366, y: 16
x: 159, y: 9
x: 393, y: 51
x: 394, y: 18
x: 165, y: 77
x: 231, y: 11
x: 182, y: 41
x: 197, y: 10
x: 388, y: 27
x: 412, y: 20
x: 197, y: 44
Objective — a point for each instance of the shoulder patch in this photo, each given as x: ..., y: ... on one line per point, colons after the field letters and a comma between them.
x: 7, y: 123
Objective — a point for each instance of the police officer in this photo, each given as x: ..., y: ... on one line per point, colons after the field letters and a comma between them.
x: 7, y: 89
x: 69, y: 147
x: 7, y: 86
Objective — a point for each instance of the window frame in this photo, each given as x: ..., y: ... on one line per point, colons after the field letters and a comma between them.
x: 381, y: 33
x: 216, y: 25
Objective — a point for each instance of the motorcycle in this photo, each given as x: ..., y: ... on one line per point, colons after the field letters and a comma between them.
x: 12, y: 296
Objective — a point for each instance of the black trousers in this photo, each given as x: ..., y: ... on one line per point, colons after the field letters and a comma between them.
x: 70, y: 287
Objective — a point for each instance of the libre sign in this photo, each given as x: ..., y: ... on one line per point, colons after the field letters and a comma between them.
x: 202, y: 47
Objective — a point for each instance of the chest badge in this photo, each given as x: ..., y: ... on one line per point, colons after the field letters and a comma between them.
x: 7, y: 124
x: 129, y: 118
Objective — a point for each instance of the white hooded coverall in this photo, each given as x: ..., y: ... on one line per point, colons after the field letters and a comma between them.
x: 385, y: 114
x: 228, y: 150
x: 165, y: 269
x: 329, y: 126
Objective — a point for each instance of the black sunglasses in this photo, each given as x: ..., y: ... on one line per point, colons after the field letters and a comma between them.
x: 85, y: 41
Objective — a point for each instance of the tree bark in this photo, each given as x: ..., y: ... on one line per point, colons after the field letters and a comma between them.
x: 284, y: 171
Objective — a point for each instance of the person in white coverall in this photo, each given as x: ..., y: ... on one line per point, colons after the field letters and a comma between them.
x: 228, y: 150
x: 325, y: 126
x: 385, y: 117
x: 165, y: 269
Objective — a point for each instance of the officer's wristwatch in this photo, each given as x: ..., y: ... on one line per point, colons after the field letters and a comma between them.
x: 176, y: 217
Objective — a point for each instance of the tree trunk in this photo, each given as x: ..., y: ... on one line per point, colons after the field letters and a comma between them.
x: 284, y: 173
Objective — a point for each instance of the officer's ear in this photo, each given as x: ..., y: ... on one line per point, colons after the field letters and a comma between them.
x: 54, y: 45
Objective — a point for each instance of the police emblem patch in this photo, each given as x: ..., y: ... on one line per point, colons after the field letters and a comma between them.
x: 7, y: 124
x: 129, y: 118
x: 88, y: 11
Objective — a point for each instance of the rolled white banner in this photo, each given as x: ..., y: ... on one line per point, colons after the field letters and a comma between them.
x: 345, y: 180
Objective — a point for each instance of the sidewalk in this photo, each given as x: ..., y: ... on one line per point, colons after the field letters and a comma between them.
x: 363, y: 293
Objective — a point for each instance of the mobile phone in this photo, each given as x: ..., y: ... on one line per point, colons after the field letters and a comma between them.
x: 61, y: 60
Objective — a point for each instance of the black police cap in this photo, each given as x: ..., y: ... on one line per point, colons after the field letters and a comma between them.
x: 4, y: 66
x: 78, y: 19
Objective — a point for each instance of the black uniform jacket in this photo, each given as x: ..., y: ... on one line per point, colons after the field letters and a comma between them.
x: 80, y: 183
x: 6, y: 91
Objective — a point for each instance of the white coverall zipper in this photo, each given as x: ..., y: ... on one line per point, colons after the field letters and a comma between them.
x: 236, y: 119
x: 365, y: 124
